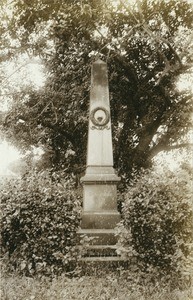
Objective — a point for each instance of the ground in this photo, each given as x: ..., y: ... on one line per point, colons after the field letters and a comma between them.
x: 109, y: 286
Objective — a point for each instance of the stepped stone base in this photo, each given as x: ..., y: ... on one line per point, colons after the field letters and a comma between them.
x: 101, y: 236
x: 100, y: 217
x: 100, y: 255
x: 90, y: 267
x: 100, y: 251
x: 100, y: 259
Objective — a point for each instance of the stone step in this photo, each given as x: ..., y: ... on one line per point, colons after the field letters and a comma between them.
x: 96, y: 265
x: 103, y: 259
x: 100, y: 236
x: 100, y: 251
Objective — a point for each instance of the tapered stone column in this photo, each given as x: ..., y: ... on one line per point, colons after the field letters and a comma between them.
x: 100, y: 214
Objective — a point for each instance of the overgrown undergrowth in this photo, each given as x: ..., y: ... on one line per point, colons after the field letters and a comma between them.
x: 108, y: 286
x: 40, y: 217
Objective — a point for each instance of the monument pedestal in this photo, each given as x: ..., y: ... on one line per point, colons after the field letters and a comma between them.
x: 100, y: 198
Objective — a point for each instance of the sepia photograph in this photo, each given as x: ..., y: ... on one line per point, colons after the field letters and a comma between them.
x: 96, y: 149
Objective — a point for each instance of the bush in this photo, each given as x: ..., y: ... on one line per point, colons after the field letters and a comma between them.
x: 157, y: 222
x: 40, y: 216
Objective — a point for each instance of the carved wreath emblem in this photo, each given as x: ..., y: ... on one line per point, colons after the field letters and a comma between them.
x: 100, y: 118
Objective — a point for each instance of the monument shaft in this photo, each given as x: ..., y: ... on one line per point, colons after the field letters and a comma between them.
x: 100, y: 136
x: 100, y: 180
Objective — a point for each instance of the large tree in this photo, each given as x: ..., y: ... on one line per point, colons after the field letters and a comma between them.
x: 147, y: 45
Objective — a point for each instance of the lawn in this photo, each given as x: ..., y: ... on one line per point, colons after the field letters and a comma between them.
x: 105, y: 286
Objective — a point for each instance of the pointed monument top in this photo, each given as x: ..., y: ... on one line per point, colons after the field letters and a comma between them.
x: 99, y: 61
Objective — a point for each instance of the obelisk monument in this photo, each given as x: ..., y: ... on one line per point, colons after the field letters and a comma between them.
x: 100, y: 214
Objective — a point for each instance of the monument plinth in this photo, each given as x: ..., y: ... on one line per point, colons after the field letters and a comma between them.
x: 100, y: 214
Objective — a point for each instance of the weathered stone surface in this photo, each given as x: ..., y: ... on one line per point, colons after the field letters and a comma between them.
x: 101, y: 197
x: 99, y: 220
x: 100, y: 215
x: 100, y: 152
x: 101, y: 236
x: 101, y: 251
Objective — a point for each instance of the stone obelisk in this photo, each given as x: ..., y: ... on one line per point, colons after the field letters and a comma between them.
x: 100, y: 214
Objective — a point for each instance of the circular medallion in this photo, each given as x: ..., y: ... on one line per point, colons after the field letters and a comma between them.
x: 100, y: 116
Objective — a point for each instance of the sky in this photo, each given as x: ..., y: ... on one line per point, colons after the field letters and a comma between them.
x: 7, y: 155
x: 34, y: 72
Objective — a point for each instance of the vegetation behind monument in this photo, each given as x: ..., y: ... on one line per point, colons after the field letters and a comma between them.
x: 146, y: 45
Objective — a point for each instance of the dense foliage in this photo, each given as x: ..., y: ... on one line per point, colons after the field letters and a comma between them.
x: 158, y: 214
x: 147, y: 46
x: 40, y: 217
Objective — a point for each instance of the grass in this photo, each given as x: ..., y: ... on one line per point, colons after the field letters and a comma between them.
x: 107, y: 286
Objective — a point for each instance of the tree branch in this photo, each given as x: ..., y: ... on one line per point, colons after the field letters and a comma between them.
x: 57, y: 129
x: 163, y: 147
x: 129, y: 11
x: 39, y: 115
x: 55, y: 113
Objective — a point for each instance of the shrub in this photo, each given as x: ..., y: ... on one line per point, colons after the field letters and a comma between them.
x: 157, y: 222
x: 40, y: 216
